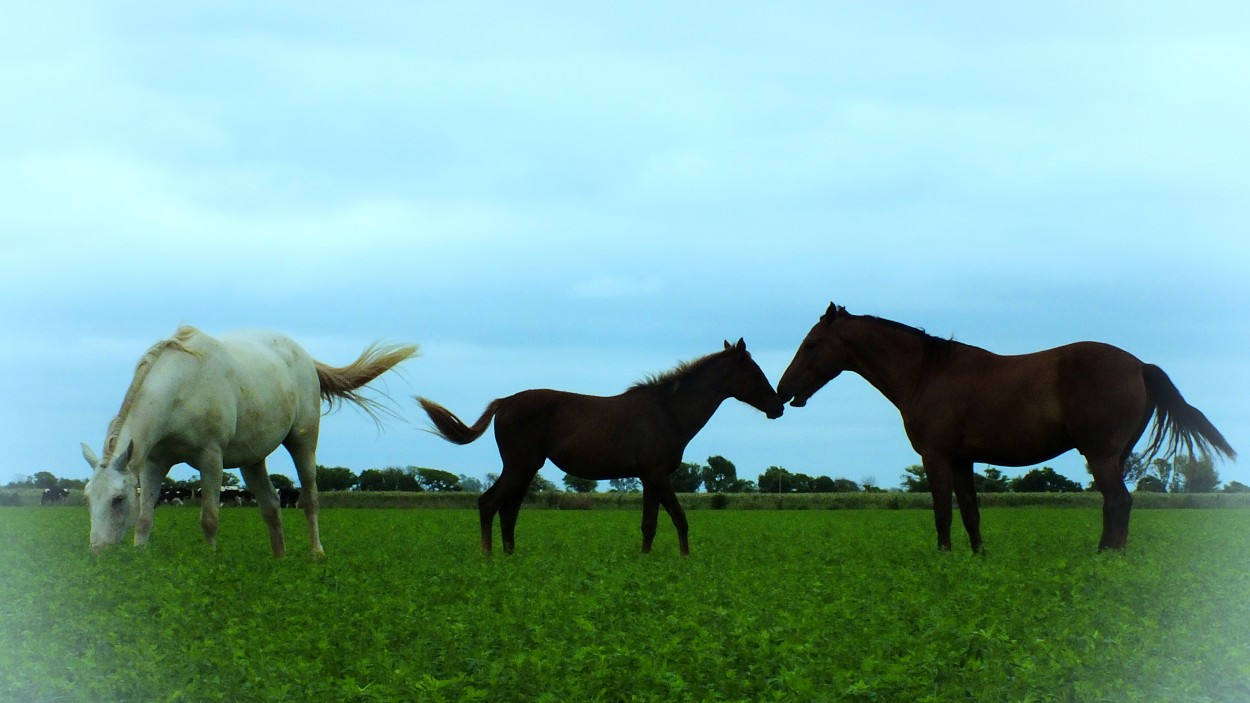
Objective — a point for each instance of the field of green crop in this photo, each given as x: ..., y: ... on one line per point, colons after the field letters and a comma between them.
x: 838, y: 605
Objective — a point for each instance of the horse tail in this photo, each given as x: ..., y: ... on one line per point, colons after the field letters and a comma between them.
x: 1178, y: 423
x: 452, y: 428
x: 343, y: 383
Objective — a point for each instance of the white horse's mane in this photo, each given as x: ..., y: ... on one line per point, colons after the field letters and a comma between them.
x: 178, y: 341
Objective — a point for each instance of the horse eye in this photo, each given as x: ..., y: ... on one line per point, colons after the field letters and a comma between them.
x: 118, y: 502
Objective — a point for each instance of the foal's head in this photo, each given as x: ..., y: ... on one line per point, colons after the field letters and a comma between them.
x: 747, y: 383
x: 820, y: 358
x: 112, y: 497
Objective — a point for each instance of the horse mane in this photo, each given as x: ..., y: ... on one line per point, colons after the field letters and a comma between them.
x: 936, y: 349
x: 182, y: 335
x: 676, y: 374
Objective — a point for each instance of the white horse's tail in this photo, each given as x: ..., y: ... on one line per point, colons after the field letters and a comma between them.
x: 343, y: 383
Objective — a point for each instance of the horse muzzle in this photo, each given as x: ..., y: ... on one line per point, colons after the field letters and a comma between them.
x: 795, y: 401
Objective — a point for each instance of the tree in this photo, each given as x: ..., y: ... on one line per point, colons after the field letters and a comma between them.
x: 776, y: 480
x: 824, y: 484
x: 1236, y: 487
x: 1150, y: 484
x: 720, y: 475
x: 687, y: 478
x: 438, y: 480
x: 44, y: 480
x: 845, y: 485
x: 392, y: 478
x: 1044, y: 480
x: 993, y: 481
x: 1197, y: 474
x: 624, y: 485
x: 1162, y: 470
x: 915, y: 480
x: 577, y: 484
x: 803, y: 483
x: 334, y: 478
x: 281, y: 481
x: 1135, y: 467
x: 742, y: 485
x: 539, y: 484
x: 470, y: 484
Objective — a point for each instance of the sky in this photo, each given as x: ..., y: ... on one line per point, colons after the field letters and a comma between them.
x: 569, y: 196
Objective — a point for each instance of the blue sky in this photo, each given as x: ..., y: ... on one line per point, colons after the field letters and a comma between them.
x: 573, y: 197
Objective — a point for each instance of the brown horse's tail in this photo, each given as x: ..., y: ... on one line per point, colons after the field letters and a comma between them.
x: 1178, y: 423
x: 452, y: 428
x: 343, y: 384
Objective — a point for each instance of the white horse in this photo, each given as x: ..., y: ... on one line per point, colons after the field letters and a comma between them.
x: 218, y: 404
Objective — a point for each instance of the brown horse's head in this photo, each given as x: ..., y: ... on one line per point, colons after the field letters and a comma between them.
x: 748, y: 383
x: 820, y: 358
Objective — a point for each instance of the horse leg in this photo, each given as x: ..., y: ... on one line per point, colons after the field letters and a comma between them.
x: 210, y: 495
x: 1117, y: 502
x: 256, y: 478
x: 966, y: 493
x: 940, y: 486
x: 668, y: 499
x: 521, y: 461
x: 487, y: 506
x: 149, y: 493
x: 507, y: 519
x: 303, y: 451
x: 650, y: 515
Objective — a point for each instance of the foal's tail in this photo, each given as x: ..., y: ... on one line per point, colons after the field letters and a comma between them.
x: 343, y: 383
x: 1178, y: 423
x: 452, y: 428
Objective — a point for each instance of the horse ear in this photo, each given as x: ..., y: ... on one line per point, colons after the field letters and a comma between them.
x: 741, y: 345
x: 832, y: 312
x: 727, y: 345
x: 90, y: 455
x: 120, y: 461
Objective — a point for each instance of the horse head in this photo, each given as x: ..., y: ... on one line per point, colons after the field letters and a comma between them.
x: 749, y: 384
x: 820, y: 358
x: 112, y: 496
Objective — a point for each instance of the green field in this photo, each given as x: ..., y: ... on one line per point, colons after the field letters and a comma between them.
x: 803, y: 605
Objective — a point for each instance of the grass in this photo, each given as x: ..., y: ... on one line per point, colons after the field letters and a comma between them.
x: 772, y: 605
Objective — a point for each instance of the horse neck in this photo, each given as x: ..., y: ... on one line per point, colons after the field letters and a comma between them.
x: 891, y: 359
x: 130, y: 429
x: 144, y: 418
x: 694, y: 399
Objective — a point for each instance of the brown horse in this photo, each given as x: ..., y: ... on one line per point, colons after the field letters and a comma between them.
x: 640, y: 433
x: 962, y: 404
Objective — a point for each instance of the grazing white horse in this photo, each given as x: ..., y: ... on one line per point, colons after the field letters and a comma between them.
x: 217, y: 404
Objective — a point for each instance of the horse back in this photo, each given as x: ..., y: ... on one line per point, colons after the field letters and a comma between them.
x: 1026, y: 408
x: 585, y: 435
x: 243, y: 393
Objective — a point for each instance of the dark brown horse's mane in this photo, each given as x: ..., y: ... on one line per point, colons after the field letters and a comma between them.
x: 676, y: 374
x: 936, y: 349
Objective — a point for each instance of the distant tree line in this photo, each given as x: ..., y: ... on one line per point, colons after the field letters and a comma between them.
x: 1041, y: 480
x: 1182, y: 474
x: 719, y: 475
